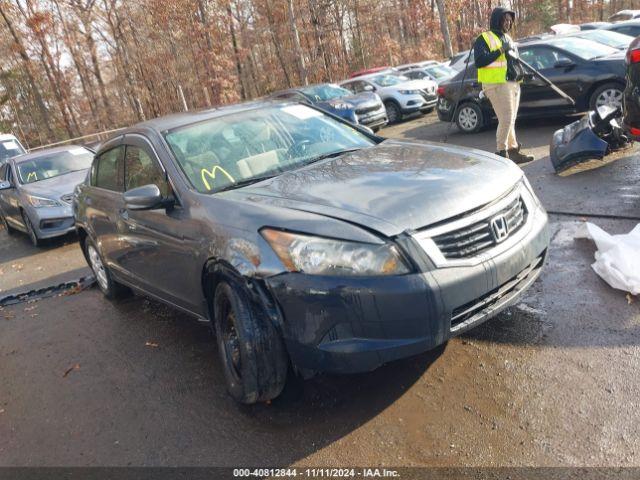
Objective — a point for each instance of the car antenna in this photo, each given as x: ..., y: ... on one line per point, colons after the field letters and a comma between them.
x: 445, y: 138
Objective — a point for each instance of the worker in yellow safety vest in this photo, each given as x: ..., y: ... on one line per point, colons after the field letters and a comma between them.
x: 495, y: 56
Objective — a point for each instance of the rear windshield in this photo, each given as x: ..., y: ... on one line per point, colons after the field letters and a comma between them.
x: 322, y: 93
x: 54, y: 165
x: 583, y: 48
x: 9, y: 149
x: 441, y: 71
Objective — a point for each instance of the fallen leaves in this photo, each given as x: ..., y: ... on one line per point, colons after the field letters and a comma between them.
x: 630, y: 298
x: 71, y: 369
x: 2, y: 410
x: 151, y: 344
x: 17, y: 266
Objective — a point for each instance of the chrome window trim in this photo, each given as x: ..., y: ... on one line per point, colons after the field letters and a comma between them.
x: 425, y: 237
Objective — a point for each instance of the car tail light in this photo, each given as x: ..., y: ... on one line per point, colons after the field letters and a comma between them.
x: 635, y: 131
x: 440, y: 91
x: 633, y: 52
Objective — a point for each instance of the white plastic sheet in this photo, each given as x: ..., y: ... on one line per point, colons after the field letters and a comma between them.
x: 617, y: 258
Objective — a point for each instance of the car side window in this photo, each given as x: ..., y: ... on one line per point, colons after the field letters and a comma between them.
x: 141, y: 169
x: 539, y: 58
x: 110, y: 170
x: 351, y: 86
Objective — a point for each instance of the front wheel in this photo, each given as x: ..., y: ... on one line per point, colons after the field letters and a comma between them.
x: 469, y: 118
x: 394, y: 114
x: 109, y: 287
x: 31, y: 231
x: 607, y: 95
x: 251, y: 348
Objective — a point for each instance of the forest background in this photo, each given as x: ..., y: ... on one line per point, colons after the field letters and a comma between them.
x: 75, y: 67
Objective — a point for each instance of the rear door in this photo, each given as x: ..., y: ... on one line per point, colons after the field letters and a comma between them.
x: 160, y: 244
x: 103, y: 200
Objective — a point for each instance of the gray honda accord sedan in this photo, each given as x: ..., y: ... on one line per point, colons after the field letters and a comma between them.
x: 307, y: 241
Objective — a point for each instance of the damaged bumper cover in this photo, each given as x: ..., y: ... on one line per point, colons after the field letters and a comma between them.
x: 591, y: 138
x: 349, y: 325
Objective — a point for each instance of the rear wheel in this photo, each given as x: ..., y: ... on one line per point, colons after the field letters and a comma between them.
x: 109, y: 287
x: 394, y: 114
x: 31, y: 231
x: 609, y: 95
x: 469, y: 118
x: 251, y: 348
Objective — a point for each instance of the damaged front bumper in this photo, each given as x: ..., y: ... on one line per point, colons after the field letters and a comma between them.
x: 591, y: 138
x: 351, y: 324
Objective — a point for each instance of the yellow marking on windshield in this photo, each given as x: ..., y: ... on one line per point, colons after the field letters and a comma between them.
x: 34, y: 175
x: 212, y: 174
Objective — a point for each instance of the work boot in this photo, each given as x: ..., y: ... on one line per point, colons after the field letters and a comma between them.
x: 503, y: 153
x: 519, y: 158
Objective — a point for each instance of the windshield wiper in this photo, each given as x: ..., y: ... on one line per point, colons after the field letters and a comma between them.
x: 331, y: 155
x: 246, y: 182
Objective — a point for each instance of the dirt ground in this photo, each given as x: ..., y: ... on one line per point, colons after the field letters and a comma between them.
x: 550, y: 382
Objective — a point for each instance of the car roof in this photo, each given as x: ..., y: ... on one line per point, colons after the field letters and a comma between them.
x: 45, y: 151
x: 7, y: 136
x: 175, y: 120
x: 369, y: 76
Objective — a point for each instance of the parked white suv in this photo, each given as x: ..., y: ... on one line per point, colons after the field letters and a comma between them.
x: 10, y: 147
x: 399, y: 94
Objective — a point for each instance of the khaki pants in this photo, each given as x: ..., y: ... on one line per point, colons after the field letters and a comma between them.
x: 505, y: 99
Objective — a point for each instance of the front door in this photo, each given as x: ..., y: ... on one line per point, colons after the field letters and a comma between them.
x: 160, y: 254
x: 9, y: 204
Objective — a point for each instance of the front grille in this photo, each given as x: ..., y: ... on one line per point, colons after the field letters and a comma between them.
x: 473, y: 239
x: 67, y: 198
x: 476, y: 309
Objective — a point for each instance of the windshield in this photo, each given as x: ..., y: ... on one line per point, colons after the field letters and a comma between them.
x: 322, y: 93
x: 54, y: 165
x: 441, y: 71
x: 583, y: 48
x: 389, y: 80
x: 234, y: 149
x: 9, y: 149
x: 611, y: 39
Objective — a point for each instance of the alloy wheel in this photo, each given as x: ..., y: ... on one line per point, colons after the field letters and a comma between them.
x: 393, y: 115
x: 98, y: 268
x: 468, y: 118
x: 611, y: 97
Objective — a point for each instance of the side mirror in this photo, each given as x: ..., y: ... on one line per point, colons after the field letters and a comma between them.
x: 367, y: 129
x: 4, y: 185
x: 368, y: 88
x: 563, y: 63
x: 146, y: 197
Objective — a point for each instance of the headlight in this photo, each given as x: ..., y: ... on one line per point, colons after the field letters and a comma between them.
x: 410, y: 92
x: 341, y: 106
x: 39, y: 202
x: 325, y: 256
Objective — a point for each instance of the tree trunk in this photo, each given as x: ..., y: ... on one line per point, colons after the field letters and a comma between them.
x: 444, y: 27
x: 44, y: 114
x: 302, y: 70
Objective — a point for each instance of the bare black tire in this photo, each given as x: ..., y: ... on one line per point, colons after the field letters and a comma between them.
x: 33, y: 236
x: 609, y: 94
x: 251, y: 348
x: 109, y: 287
x: 469, y: 118
x: 394, y: 114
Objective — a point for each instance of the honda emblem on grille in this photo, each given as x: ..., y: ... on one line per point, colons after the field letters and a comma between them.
x: 499, y: 228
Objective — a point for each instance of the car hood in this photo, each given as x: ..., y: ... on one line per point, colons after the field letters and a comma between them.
x: 392, y: 187
x: 56, y: 187
x: 362, y: 100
